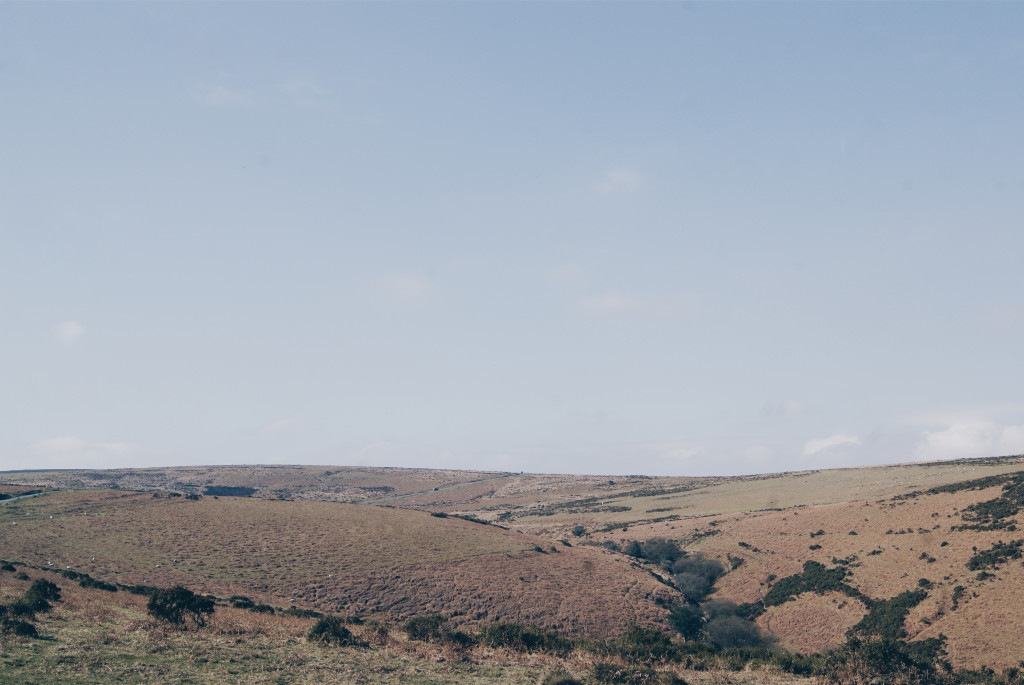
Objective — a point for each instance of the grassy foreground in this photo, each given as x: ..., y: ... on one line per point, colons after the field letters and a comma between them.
x: 93, y: 636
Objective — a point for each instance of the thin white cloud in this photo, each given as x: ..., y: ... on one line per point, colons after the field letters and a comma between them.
x: 217, y: 95
x: 619, y: 180
x: 970, y: 438
x: 68, y: 332
x: 819, y: 444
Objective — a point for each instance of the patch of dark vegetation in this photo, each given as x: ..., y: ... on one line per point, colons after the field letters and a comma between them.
x: 998, y: 554
x: 89, y: 581
x: 524, y: 639
x: 958, y: 593
x: 815, y: 577
x: 695, y: 575
x: 331, y: 630
x: 15, y: 619
x: 885, y: 617
x: 887, y: 661
x: 435, y: 628
x: 474, y: 519
x: 229, y: 491
x: 175, y: 605
x: 301, y: 613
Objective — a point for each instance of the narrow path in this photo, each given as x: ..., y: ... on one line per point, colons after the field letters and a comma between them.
x: 14, y: 499
x: 447, y: 487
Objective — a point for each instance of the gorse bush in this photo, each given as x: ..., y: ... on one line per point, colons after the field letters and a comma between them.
x: 435, y: 628
x: 524, y: 639
x: 885, y: 617
x: 175, y: 604
x: 332, y: 630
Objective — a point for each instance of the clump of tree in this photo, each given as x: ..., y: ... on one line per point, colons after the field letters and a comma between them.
x: 175, y: 605
x: 695, y: 575
x: 660, y: 551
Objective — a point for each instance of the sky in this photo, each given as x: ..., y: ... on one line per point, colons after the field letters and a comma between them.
x: 613, y: 238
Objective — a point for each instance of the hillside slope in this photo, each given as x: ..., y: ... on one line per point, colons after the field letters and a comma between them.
x: 376, y: 561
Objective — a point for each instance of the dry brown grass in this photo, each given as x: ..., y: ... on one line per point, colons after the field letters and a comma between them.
x: 979, y: 632
x: 98, y: 637
x: 377, y: 561
x: 234, y: 540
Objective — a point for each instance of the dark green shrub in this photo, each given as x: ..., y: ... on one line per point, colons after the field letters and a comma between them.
x: 44, y: 589
x: 175, y: 604
x: 23, y: 609
x: 578, y: 530
x: 885, y: 617
x: 262, y: 609
x: 332, y: 630
x: 435, y: 628
x: 646, y: 643
x: 89, y: 581
x: 13, y: 626
x: 301, y: 613
x: 6, y: 566
x: 524, y: 639
x: 426, y: 628
x: 241, y: 602
x: 881, y: 661
x: 998, y: 554
x: 36, y: 599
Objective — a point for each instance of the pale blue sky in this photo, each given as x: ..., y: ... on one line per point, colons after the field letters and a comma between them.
x: 661, y: 238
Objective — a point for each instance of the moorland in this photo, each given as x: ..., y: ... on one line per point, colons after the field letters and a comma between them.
x: 907, y: 573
